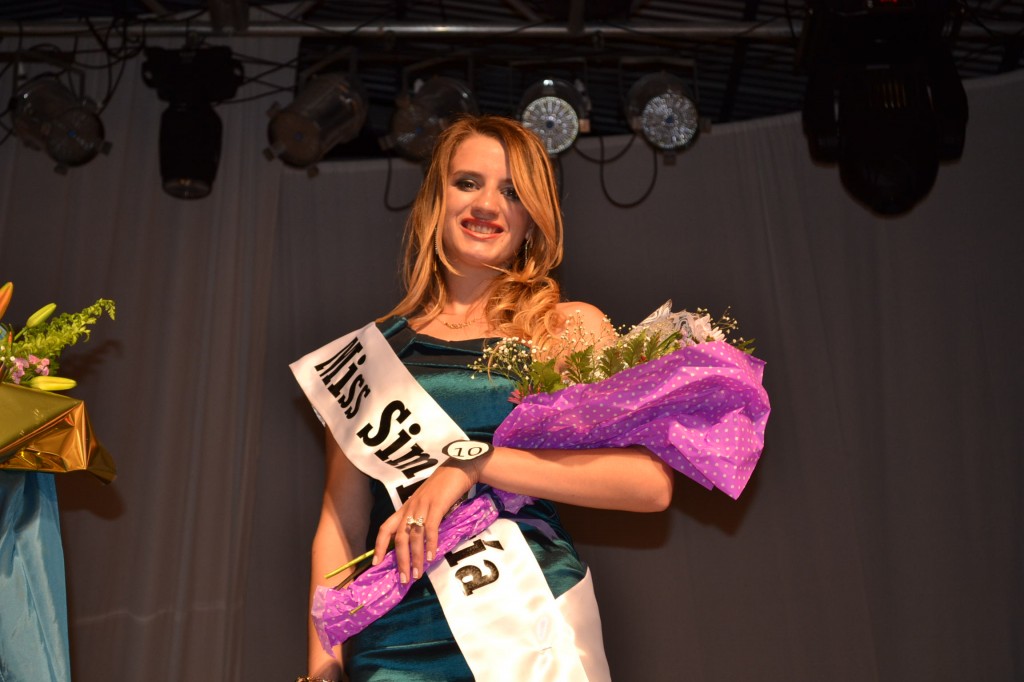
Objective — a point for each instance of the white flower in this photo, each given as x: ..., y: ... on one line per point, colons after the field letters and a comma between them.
x: 702, y: 329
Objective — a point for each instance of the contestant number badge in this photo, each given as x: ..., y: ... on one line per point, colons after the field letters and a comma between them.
x: 467, y: 449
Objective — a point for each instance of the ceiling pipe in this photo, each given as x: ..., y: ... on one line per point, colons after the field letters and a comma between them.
x: 510, y: 31
x: 507, y: 31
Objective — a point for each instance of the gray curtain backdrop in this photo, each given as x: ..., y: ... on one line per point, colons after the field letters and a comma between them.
x: 880, y: 538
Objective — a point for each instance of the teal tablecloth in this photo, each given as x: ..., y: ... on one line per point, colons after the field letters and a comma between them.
x: 33, y: 594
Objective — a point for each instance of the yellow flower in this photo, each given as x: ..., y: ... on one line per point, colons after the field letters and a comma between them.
x: 48, y: 383
x: 41, y: 315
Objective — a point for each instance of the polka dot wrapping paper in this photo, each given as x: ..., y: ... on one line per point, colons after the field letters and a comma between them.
x: 341, y: 613
x: 701, y: 409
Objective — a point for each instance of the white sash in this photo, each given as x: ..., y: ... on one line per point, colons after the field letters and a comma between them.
x: 493, y: 593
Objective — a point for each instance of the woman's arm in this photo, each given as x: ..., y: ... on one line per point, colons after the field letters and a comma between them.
x: 630, y: 479
x: 341, y: 532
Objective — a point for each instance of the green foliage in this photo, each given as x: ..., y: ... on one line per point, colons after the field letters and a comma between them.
x: 544, y: 378
x: 634, y: 349
x: 580, y: 367
x: 578, y: 356
x: 48, y: 339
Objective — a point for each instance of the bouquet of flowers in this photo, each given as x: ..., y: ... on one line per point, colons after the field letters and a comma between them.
x: 42, y: 431
x: 30, y: 355
x: 675, y: 383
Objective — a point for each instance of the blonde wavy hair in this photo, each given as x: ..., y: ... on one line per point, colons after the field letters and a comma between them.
x: 521, y: 301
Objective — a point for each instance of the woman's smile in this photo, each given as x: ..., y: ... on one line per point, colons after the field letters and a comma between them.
x: 482, y: 228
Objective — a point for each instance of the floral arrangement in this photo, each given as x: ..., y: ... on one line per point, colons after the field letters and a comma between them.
x: 31, y: 355
x: 587, y: 359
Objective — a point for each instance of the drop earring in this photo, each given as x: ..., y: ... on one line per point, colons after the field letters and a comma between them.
x: 437, y: 249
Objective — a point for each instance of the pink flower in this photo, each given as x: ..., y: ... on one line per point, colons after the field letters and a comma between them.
x: 515, y: 397
x: 19, y: 369
x: 42, y: 365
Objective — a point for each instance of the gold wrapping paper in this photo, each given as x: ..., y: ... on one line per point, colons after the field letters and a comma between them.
x: 48, y: 432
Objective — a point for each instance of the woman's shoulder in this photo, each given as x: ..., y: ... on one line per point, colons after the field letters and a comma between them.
x: 581, y: 309
x: 583, y: 315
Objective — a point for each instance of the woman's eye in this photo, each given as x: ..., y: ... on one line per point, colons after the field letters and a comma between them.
x: 511, y: 193
x: 465, y: 184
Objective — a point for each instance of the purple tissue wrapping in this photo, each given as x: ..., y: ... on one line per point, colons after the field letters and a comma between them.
x: 339, y: 614
x: 701, y: 409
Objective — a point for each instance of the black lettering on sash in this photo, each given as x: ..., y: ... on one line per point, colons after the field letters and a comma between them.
x: 358, y: 389
x: 472, y: 578
x: 347, y: 398
x: 336, y: 387
x: 414, y: 461
x: 395, y: 407
x: 329, y: 367
x: 363, y: 393
x: 400, y: 440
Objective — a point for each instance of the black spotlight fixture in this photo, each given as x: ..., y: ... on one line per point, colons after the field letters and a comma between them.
x: 661, y: 108
x: 48, y: 116
x: 191, y: 80
x: 557, y: 112
x: 420, y: 118
x: 329, y: 110
x: 883, y: 99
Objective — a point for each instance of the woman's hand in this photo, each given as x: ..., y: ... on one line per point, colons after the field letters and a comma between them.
x: 416, y: 540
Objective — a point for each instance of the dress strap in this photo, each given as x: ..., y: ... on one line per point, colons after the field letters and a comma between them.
x: 392, y: 325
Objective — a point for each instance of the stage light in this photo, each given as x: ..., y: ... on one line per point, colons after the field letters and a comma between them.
x: 660, y: 107
x: 557, y: 112
x: 883, y: 99
x: 329, y: 110
x: 419, y: 119
x: 191, y: 80
x: 48, y: 116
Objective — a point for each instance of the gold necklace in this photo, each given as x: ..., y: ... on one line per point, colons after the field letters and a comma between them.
x: 459, y: 325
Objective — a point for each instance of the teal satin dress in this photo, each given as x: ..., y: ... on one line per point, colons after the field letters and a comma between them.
x: 413, y: 641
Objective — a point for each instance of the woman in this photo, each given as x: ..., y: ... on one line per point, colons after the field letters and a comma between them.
x: 484, y: 234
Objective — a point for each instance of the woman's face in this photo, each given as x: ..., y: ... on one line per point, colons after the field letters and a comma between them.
x: 485, y: 223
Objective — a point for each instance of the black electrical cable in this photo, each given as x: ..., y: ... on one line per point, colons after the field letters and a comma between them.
x: 604, y: 187
x: 273, y: 91
x: 319, y: 27
x: 387, y: 191
x: 603, y: 160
